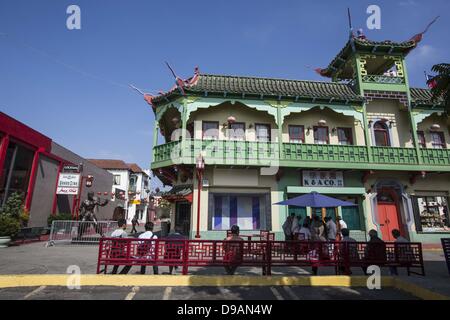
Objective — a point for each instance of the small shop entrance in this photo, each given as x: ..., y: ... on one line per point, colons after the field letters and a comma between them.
x: 183, y: 217
x: 388, y: 214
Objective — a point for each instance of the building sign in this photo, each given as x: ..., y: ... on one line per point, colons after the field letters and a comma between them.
x: 71, y: 168
x: 68, y: 183
x: 323, y: 179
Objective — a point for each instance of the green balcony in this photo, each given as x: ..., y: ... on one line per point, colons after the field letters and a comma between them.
x: 247, y: 153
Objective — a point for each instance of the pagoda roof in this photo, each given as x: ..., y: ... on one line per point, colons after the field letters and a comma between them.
x: 368, y: 46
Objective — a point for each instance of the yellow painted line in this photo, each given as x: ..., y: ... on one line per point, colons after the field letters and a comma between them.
x: 418, y: 291
x: 8, y: 281
x: 60, y: 280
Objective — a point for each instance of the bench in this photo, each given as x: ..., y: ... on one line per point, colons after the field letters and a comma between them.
x: 263, y: 254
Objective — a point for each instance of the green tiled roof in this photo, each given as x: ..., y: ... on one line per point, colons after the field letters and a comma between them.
x: 221, y: 85
x: 267, y: 87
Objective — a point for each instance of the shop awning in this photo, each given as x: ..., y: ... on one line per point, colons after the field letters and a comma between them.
x: 315, y: 200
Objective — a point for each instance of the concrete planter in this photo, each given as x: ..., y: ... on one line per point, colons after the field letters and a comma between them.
x: 4, y: 242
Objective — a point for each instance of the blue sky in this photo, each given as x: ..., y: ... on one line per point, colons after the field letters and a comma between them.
x: 72, y: 85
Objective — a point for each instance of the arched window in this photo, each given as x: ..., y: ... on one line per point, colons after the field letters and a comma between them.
x: 381, y: 133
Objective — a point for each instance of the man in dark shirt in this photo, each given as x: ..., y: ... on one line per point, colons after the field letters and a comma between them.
x: 375, y: 251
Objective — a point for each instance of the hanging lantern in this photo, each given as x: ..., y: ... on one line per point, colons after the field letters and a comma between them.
x: 231, y: 119
x: 99, y: 193
x: 105, y: 193
x: 322, y: 122
x: 157, y: 190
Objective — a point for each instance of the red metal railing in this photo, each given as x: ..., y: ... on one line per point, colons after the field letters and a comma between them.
x: 264, y: 254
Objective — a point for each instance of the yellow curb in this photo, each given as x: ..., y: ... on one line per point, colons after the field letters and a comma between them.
x: 9, y: 281
x: 62, y: 280
x: 418, y: 291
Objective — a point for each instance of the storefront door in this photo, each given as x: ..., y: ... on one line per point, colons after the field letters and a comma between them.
x: 388, y: 218
x: 183, y: 217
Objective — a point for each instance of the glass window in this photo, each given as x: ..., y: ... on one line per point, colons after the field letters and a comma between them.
x: 321, y: 135
x: 296, y: 134
x: 248, y: 211
x: 116, y: 179
x: 381, y: 133
x: 16, y: 170
x: 237, y: 131
x: 431, y: 213
x: 345, y: 136
x: 438, y: 140
x: 262, y: 132
x: 210, y: 130
x: 421, y: 139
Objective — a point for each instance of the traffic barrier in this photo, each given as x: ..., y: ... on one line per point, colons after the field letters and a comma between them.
x: 79, y: 232
x: 265, y: 254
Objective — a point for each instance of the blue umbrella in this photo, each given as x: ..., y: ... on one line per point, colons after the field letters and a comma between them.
x: 315, y: 200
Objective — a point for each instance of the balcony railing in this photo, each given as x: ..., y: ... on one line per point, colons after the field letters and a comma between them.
x: 383, y: 79
x: 225, y: 152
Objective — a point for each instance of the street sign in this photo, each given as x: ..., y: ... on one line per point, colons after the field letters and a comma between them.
x: 68, y: 183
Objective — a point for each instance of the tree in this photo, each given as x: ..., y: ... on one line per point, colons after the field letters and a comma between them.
x: 14, y: 206
x: 440, y: 84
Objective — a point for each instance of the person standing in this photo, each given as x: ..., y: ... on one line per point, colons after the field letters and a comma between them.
x: 331, y: 229
x: 287, y: 227
x: 375, y: 251
x: 134, y: 222
x: 147, y: 248
x: 174, y: 244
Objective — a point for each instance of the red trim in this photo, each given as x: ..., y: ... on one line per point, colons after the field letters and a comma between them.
x: 381, y: 127
x: 24, y: 133
x: 32, y: 181
x: 3, y: 148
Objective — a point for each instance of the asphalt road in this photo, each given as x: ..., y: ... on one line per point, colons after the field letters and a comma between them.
x: 201, y: 293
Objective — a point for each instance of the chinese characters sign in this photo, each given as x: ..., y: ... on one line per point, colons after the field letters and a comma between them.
x: 323, y: 179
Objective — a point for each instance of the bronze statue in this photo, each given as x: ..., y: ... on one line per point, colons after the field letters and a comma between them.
x: 87, y: 209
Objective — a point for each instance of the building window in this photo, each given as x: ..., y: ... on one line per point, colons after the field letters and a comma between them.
x: 210, y: 130
x: 262, y: 132
x: 321, y: 135
x: 421, y: 139
x: 431, y: 213
x: 117, y: 179
x: 438, y: 140
x: 16, y: 171
x: 248, y: 211
x: 236, y: 131
x: 345, y: 136
x: 381, y: 133
x: 296, y: 134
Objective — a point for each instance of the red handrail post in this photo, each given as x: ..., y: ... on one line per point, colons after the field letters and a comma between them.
x: 100, y: 249
x: 185, y: 257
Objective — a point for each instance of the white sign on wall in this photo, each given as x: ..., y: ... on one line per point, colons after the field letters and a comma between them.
x: 323, y: 179
x: 68, y: 183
